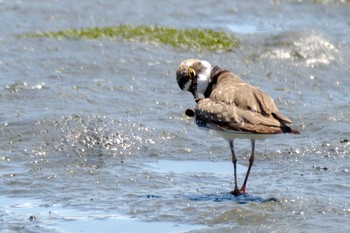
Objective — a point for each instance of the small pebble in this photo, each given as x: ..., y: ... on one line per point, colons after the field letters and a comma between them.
x: 344, y: 141
x: 320, y: 168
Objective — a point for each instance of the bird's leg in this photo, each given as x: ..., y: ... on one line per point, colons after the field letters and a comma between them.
x: 234, y: 161
x: 251, y: 161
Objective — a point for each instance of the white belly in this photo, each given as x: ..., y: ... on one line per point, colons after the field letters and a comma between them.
x: 229, y: 135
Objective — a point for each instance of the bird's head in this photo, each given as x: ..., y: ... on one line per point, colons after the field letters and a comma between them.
x: 193, y: 75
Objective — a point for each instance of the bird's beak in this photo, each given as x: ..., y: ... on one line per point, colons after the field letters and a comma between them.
x: 189, y: 112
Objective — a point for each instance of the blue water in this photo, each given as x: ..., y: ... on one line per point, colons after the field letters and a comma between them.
x: 94, y: 136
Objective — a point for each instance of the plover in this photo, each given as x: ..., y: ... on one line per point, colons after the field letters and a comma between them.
x: 232, y: 108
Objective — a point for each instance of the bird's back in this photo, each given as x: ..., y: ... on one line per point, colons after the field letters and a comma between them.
x: 232, y: 104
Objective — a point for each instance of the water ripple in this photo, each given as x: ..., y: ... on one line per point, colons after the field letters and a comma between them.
x: 309, y: 48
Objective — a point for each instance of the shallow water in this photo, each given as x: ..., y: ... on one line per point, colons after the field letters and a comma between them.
x: 94, y: 136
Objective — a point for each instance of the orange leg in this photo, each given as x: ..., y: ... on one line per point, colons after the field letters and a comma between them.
x: 251, y: 162
x: 234, y: 161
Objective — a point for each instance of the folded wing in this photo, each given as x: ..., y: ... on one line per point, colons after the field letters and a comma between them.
x: 235, y: 105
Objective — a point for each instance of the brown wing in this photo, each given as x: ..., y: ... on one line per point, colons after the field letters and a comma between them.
x: 236, y: 105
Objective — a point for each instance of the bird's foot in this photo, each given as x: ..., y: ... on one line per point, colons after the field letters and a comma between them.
x: 236, y: 192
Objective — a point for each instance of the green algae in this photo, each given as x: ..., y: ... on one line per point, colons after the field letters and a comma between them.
x: 202, y: 39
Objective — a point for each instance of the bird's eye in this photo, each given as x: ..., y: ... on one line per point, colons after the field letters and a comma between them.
x: 191, y: 73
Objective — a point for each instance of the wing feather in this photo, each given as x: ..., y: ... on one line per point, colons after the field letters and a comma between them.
x: 236, y: 105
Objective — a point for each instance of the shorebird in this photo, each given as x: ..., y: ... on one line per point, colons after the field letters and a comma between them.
x: 231, y: 107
